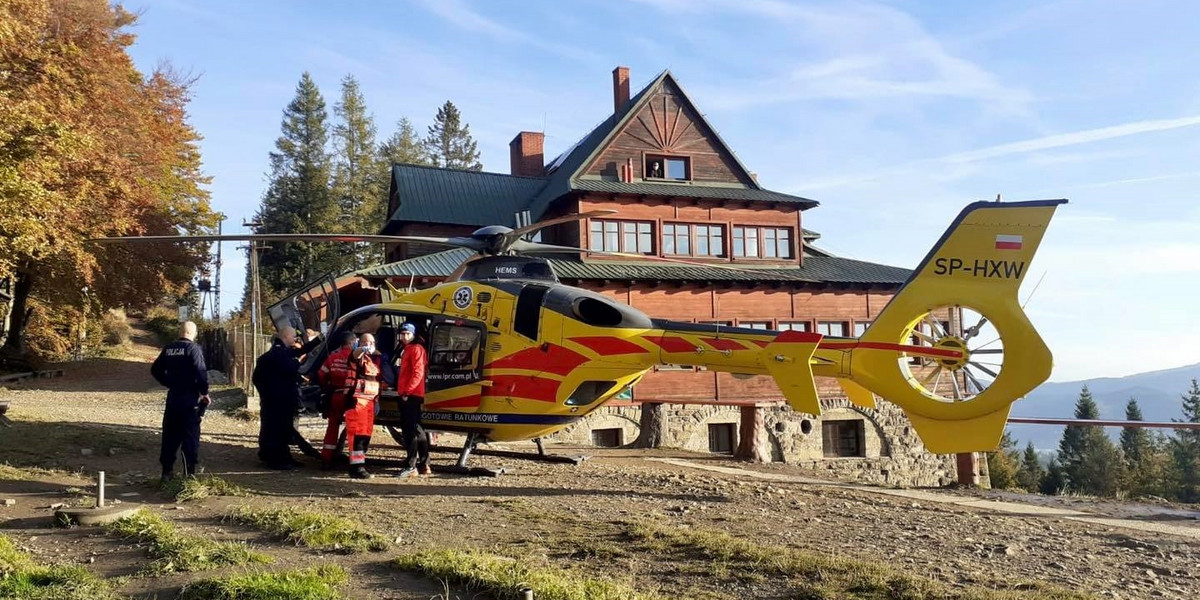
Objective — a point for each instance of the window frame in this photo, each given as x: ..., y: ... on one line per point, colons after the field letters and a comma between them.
x: 620, y: 225
x: 665, y: 159
x: 781, y: 237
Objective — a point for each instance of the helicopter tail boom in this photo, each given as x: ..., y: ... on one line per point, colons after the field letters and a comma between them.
x: 967, y: 350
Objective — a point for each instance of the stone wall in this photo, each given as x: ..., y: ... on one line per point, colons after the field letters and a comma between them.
x: 894, y: 454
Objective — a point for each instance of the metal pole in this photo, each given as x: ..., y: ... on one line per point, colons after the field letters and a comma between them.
x: 100, y: 492
x: 526, y: 594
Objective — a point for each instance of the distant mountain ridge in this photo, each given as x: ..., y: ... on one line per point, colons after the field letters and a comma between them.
x: 1157, y: 392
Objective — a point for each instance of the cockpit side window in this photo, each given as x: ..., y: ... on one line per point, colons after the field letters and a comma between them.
x: 529, y: 310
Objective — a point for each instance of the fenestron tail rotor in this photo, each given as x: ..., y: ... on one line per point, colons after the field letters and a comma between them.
x: 969, y: 349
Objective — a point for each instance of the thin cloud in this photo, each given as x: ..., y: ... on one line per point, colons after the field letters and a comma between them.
x: 461, y: 16
x: 1060, y: 140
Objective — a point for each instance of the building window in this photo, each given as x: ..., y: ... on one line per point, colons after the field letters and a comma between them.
x: 710, y: 240
x: 843, y: 439
x: 832, y: 328
x: 608, y: 438
x: 765, y: 242
x: 621, y: 236
x: 671, y: 168
x: 755, y: 324
x: 860, y: 327
x: 720, y: 437
x: 677, y: 239
x: 795, y: 326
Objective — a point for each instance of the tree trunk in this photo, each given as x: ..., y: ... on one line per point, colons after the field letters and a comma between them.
x: 653, y: 426
x: 753, y: 445
x: 15, y: 344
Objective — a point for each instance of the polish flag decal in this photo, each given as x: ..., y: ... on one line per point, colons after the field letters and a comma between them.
x: 1008, y: 242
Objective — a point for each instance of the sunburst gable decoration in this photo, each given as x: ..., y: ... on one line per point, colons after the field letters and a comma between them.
x: 665, y: 128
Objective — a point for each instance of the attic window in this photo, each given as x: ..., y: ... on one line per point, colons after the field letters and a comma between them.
x: 670, y: 168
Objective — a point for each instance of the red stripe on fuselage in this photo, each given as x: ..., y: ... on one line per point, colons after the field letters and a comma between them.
x: 471, y: 401
x: 609, y: 346
x: 723, y: 343
x: 555, y: 359
x: 524, y: 386
x: 674, y: 344
x: 920, y: 350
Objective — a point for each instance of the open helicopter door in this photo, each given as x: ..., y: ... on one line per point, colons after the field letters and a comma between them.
x: 456, y: 354
x: 310, y: 311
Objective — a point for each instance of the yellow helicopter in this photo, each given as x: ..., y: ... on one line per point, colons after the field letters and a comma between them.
x: 516, y: 355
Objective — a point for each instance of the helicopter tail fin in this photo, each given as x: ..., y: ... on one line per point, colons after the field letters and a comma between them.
x: 956, y: 387
x: 788, y: 359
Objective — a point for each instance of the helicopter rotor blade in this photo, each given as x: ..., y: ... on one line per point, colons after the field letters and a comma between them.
x: 517, y: 234
x: 460, y: 242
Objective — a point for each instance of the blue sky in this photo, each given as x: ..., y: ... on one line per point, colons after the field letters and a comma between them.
x: 892, y: 114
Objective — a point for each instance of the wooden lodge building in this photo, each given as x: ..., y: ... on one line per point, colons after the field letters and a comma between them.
x: 681, y: 193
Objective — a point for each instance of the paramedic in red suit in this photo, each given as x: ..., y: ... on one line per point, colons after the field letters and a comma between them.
x: 333, y: 378
x: 410, y: 386
x: 365, y: 368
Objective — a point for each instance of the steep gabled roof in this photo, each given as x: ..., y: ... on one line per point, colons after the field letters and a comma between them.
x: 564, y: 172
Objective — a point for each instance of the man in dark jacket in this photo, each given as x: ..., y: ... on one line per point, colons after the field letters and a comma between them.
x: 277, y: 379
x: 180, y: 367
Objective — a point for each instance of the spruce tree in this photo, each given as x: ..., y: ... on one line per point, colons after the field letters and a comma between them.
x: 1145, y: 463
x: 1185, y: 449
x: 358, y: 184
x: 297, y: 198
x: 404, y: 147
x: 1089, y: 460
x: 1031, y: 473
x: 449, y: 141
x: 1055, y: 481
x: 1002, y: 464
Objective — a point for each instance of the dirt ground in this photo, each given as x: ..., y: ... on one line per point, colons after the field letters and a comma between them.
x: 105, y: 415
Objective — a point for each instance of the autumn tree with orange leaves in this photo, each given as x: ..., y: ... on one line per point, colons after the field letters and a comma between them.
x: 90, y: 147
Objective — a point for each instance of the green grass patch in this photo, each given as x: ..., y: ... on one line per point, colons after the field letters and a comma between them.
x: 23, y: 579
x: 311, y: 529
x: 318, y: 583
x: 817, y: 577
x: 503, y: 577
x: 174, y: 550
x: 14, y: 473
x: 195, y: 488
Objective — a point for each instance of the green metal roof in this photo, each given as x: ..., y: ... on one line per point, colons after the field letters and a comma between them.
x: 816, y: 270
x: 689, y: 191
x: 436, y: 195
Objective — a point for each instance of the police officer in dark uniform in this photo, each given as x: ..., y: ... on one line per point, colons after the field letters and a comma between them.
x: 180, y: 367
x: 277, y: 379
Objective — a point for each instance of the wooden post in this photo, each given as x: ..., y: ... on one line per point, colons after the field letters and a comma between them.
x: 653, y: 426
x: 968, y: 469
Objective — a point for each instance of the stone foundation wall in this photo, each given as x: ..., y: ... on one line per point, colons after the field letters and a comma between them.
x: 893, y: 453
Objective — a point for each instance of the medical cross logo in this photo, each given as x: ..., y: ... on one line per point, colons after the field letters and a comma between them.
x: 463, y: 297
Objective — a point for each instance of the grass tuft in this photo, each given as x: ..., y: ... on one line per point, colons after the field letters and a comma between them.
x: 21, y: 578
x: 503, y: 577
x: 13, y: 473
x: 195, y: 488
x: 174, y: 550
x: 815, y: 576
x: 311, y: 529
x: 318, y: 583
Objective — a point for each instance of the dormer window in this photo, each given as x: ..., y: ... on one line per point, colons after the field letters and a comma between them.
x: 669, y: 168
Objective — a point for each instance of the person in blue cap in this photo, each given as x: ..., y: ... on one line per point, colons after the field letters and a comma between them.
x: 412, y: 367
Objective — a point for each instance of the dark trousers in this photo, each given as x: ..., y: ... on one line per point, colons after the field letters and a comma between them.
x: 416, y: 439
x: 180, y: 427
x: 275, y: 432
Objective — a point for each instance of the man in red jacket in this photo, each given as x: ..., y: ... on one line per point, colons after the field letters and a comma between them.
x: 333, y: 377
x: 410, y: 385
x: 365, y: 370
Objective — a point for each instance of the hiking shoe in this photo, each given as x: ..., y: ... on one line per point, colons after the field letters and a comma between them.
x: 166, y: 478
x: 424, y: 470
x: 406, y: 473
x: 360, y: 473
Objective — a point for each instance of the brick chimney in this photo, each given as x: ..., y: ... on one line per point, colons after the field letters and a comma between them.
x: 620, y: 88
x: 526, y: 157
